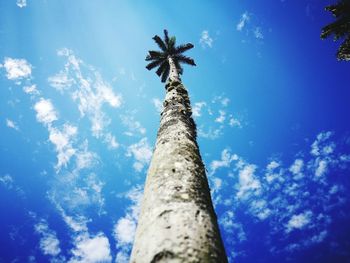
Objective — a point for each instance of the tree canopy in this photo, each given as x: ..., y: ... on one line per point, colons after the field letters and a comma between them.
x: 168, y: 49
x: 340, y: 28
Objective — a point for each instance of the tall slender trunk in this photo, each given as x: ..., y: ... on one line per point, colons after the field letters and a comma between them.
x: 177, y: 222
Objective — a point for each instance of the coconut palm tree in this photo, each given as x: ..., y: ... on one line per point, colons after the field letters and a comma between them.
x: 340, y: 28
x: 177, y: 222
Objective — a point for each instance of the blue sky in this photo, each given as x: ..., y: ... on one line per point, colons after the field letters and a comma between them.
x: 79, y: 115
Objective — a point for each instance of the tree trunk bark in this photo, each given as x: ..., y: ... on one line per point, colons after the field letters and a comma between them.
x: 177, y: 222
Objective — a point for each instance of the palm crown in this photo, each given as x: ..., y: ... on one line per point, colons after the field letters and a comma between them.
x: 340, y: 28
x: 169, y: 50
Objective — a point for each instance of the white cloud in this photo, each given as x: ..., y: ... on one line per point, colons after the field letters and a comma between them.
x: 142, y: 153
x: 45, y: 112
x: 259, y: 208
x: 21, y: 3
x: 258, y: 33
x: 87, y: 248
x: 222, y: 116
x: 318, y: 238
x: 11, y: 124
x: 122, y: 257
x: 132, y: 125
x: 210, y: 133
x: 111, y: 141
x: 272, y: 165
x: 321, y: 167
x: 245, y: 17
x: 157, y: 104
x: 225, y: 101
x: 297, y: 168
x: 318, y: 147
x: 62, y: 139
x: 206, y: 40
x: 229, y: 223
x: 32, y: 90
x: 124, y: 230
x: 226, y: 159
x: 299, y: 221
x: 84, y: 158
x: 196, y: 110
x: 86, y: 87
x: 247, y: 182
x: 17, y: 68
x: 49, y: 244
x: 235, y: 123
x: 281, y: 196
x: 91, y: 249
x: 7, y: 181
x: 61, y: 81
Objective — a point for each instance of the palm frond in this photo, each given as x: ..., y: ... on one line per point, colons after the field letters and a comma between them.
x: 340, y: 9
x: 339, y: 29
x: 162, y: 68
x: 156, y: 54
x: 165, y: 73
x: 168, y: 49
x: 154, y: 64
x: 184, y: 59
x: 166, y: 37
x: 160, y: 43
x: 178, y: 66
x: 183, y: 48
x: 344, y: 50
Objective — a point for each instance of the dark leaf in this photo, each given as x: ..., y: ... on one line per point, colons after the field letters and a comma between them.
x: 160, y: 43
x: 344, y: 50
x: 178, y: 67
x: 183, y: 48
x: 156, y: 54
x: 162, y: 67
x: 165, y: 73
x: 166, y: 37
x: 154, y: 64
x: 185, y: 60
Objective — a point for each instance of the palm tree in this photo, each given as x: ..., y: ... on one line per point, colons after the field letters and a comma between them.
x: 177, y: 222
x: 340, y: 28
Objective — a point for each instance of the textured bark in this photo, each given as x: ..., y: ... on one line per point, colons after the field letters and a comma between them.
x: 177, y: 222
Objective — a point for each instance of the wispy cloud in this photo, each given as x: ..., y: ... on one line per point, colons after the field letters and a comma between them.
x: 62, y: 139
x: 222, y: 117
x: 279, y: 195
x: 245, y: 17
x: 298, y: 221
x: 157, y: 104
x: 226, y: 159
x: 21, y: 3
x: 86, y: 87
x: 49, y: 243
x: 217, y: 117
x: 206, y: 40
x: 141, y: 152
x: 11, y: 124
x: 258, y: 33
x: 196, y: 109
x: 32, y: 90
x: 125, y: 227
x: 133, y: 126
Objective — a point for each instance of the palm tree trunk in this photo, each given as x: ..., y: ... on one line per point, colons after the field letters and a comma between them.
x: 177, y: 222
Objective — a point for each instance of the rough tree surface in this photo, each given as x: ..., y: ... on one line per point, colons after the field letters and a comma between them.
x: 177, y: 222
